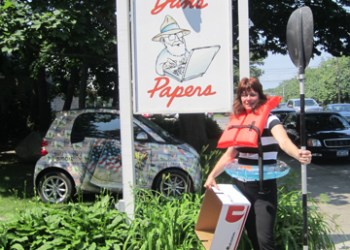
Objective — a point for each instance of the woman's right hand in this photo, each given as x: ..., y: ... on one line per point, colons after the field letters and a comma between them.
x: 210, y: 182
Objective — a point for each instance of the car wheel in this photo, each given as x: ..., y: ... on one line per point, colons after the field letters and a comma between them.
x: 173, y: 182
x: 55, y: 187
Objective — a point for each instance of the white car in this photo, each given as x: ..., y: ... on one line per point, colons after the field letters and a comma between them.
x: 310, y: 105
x: 82, y: 152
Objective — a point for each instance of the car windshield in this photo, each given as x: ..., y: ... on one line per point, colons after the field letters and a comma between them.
x: 309, y: 102
x: 160, y: 131
x: 297, y: 103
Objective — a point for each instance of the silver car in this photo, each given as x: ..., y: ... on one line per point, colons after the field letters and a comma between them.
x: 310, y: 105
x: 82, y: 152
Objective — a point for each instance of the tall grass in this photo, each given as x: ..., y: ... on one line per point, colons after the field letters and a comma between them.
x: 164, y: 223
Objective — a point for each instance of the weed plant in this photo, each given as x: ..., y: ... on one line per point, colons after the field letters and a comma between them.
x: 159, y: 222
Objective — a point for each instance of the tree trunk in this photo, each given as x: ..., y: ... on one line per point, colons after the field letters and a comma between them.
x: 44, y: 115
x: 192, y: 130
x: 83, y: 86
x: 73, y: 81
x: 115, y: 102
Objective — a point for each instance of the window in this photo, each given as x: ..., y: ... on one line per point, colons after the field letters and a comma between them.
x: 95, y: 125
x: 310, y: 102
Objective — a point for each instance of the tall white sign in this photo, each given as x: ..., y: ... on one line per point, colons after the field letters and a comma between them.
x: 182, y: 56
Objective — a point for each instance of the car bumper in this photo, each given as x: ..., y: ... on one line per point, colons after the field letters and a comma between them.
x: 330, y: 153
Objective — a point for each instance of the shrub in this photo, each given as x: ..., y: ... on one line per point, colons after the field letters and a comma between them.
x: 159, y: 222
x: 164, y: 223
x: 70, y: 226
x: 289, y: 227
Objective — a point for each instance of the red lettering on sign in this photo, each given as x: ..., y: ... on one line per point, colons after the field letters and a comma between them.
x: 178, y: 4
x: 234, y: 213
x: 163, y: 89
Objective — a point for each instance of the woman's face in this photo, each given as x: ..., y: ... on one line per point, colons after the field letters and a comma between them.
x: 249, y: 99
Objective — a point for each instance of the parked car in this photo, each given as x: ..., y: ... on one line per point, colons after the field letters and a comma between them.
x: 310, y: 105
x: 82, y: 152
x: 281, y: 113
x: 327, y: 133
x: 282, y: 105
x: 341, y: 108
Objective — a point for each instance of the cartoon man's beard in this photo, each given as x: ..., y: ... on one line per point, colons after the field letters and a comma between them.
x: 177, y: 49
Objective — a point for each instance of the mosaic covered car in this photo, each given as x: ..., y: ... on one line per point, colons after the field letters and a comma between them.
x: 82, y: 152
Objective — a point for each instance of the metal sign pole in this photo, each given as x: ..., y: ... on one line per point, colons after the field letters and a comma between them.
x: 243, y: 28
x: 125, y: 105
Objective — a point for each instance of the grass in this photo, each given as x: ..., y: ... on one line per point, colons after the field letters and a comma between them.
x: 16, y: 186
x: 10, y: 207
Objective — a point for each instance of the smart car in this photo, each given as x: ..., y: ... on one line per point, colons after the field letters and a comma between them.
x: 82, y: 152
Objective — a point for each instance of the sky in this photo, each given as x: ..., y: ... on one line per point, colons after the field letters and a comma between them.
x: 278, y: 68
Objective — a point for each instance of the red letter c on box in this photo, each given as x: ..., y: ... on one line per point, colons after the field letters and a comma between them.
x: 234, y: 213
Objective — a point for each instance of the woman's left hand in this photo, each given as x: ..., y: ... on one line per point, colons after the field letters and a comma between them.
x: 305, y: 156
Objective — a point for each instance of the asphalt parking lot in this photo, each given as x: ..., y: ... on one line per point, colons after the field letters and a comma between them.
x: 329, y: 185
x: 328, y: 182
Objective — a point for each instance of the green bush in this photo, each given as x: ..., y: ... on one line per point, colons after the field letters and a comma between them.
x: 163, y: 223
x: 289, y: 226
x: 70, y: 226
x: 159, y: 222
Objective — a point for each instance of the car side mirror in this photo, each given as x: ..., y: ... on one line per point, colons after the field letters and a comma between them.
x: 142, y: 136
x: 291, y: 125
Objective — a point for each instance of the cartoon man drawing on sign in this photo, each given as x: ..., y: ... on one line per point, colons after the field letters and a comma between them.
x: 175, y: 60
x: 175, y: 54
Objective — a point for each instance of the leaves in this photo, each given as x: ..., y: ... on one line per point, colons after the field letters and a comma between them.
x: 160, y: 223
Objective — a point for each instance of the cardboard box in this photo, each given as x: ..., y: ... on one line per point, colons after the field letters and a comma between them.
x: 222, y: 217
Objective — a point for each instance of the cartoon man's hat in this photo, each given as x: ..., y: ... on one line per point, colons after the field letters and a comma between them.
x: 168, y: 27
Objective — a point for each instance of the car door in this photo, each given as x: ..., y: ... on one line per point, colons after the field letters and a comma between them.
x: 104, y: 165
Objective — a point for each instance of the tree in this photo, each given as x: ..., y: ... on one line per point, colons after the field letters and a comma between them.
x: 269, y: 18
x: 329, y: 83
x: 58, y: 42
x: 55, y: 47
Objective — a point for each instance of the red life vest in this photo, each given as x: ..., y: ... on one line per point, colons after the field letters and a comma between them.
x: 246, y: 137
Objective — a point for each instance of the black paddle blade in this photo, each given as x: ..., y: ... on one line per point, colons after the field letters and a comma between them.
x: 300, y: 32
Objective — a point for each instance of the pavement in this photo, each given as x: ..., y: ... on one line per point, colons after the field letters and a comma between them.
x: 328, y: 183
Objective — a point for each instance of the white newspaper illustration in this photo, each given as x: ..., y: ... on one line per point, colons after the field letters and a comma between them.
x: 197, y: 64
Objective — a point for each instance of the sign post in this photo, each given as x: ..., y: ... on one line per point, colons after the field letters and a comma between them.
x: 182, y: 62
x: 243, y: 22
x: 125, y: 106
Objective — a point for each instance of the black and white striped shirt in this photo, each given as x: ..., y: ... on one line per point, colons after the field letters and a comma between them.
x: 270, y: 146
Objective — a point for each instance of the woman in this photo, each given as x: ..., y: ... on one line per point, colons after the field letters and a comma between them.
x: 262, y: 214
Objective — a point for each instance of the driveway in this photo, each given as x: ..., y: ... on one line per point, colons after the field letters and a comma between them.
x: 328, y: 182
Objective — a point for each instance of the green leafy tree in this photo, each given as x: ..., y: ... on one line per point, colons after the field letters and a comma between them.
x: 56, y: 47
x: 54, y: 44
x: 328, y: 83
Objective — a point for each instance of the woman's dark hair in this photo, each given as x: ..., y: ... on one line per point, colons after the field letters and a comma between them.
x: 245, y: 86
